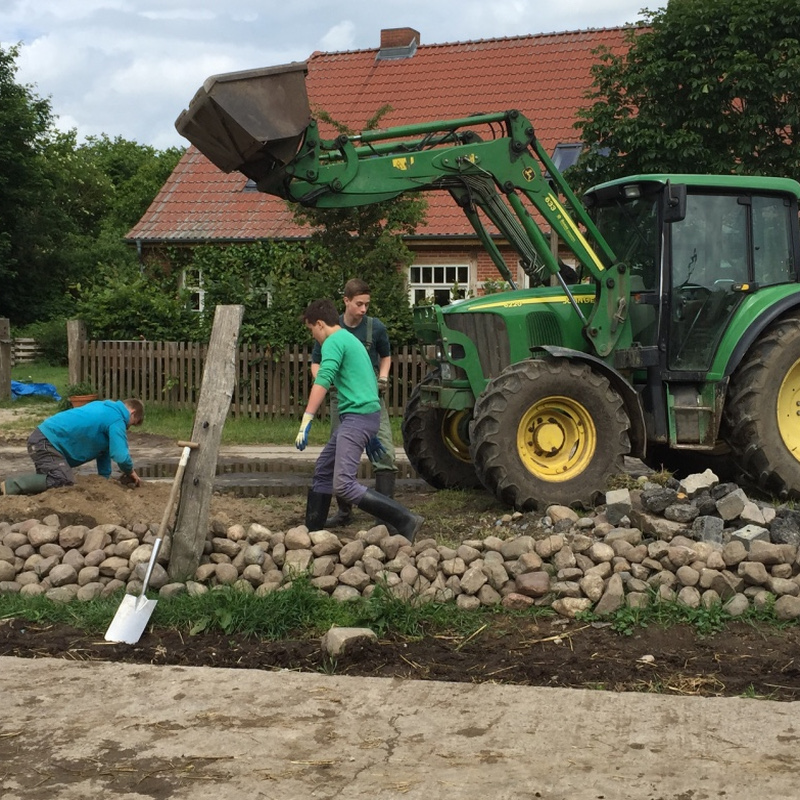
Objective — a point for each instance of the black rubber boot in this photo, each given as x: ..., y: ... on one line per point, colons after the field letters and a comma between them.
x: 31, y: 483
x: 317, y: 506
x: 384, y: 482
x: 342, y: 516
x: 389, y: 511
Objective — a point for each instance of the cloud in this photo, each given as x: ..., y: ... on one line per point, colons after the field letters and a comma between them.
x: 340, y: 37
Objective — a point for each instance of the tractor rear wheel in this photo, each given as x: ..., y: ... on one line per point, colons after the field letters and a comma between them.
x: 548, y: 431
x: 762, y: 411
x: 435, y: 441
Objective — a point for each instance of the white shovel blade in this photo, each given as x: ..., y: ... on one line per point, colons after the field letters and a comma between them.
x: 131, y: 619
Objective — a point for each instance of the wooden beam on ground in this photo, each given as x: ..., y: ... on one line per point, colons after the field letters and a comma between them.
x: 216, y: 390
x: 5, y: 359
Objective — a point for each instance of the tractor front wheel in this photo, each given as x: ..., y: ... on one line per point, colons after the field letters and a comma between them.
x: 436, y: 443
x: 548, y: 431
x: 762, y: 411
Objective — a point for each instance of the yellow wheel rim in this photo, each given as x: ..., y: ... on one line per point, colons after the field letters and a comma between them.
x: 454, y: 436
x: 556, y: 439
x: 789, y: 410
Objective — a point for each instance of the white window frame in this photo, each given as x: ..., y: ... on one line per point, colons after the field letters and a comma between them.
x: 427, y: 281
x: 194, y: 285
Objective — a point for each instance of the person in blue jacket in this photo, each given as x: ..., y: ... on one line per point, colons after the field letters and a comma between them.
x: 97, y: 431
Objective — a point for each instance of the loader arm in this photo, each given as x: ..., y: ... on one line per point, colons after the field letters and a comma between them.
x: 490, y: 177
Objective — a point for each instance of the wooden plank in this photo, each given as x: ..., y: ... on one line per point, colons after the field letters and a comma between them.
x: 219, y: 376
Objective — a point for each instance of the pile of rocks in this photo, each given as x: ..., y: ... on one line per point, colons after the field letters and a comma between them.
x: 697, y: 542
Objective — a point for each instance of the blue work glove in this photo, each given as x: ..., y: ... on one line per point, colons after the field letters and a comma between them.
x: 302, y: 435
x: 375, y: 450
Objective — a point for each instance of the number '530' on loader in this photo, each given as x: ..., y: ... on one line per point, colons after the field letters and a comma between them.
x: 678, y: 342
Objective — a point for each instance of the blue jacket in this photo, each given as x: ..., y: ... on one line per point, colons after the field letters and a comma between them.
x: 98, y: 430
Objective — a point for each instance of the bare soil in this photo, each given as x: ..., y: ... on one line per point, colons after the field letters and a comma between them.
x: 741, y: 660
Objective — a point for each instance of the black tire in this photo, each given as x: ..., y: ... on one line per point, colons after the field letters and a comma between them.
x: 761, y: 419
x: 548, y: 431
x: 435, y: 441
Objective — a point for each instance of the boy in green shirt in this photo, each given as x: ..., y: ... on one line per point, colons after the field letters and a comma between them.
x: 346, y: 365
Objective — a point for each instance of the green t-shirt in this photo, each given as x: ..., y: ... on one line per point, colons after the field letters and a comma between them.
x: 346, y: 364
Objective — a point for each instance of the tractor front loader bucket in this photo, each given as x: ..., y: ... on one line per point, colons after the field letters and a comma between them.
x: 251, y: 121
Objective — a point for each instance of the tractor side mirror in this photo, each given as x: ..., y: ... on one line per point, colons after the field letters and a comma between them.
x: 675, y: 202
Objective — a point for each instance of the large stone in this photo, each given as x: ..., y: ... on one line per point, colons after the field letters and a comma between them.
x: 336, y: 641
x: 64, y: 574
x: 618, y: 505
x: 749, y: 534
x: 698, y: 482
x: 571, y: 606
x: 42, y: 534
x: 533, y: 584
x: 732, y: 504
x: 613, y: 598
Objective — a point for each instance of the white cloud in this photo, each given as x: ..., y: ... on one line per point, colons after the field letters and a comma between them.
x: 340, y: 37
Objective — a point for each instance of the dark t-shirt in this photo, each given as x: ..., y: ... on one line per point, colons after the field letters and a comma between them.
x: 380, y: 347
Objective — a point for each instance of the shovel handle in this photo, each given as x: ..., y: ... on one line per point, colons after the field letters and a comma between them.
x: 173, y: 495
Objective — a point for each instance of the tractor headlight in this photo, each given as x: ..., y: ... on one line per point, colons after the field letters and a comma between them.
x: 447, y: 372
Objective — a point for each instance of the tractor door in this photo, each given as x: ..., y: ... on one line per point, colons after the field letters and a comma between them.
x: 709, y: 255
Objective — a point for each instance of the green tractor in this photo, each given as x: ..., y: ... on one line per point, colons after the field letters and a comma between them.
x: 677, y: 340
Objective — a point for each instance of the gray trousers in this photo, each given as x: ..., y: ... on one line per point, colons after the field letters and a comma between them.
x: 387, y: 462
x: 336, y: 470
x: 48, y: 461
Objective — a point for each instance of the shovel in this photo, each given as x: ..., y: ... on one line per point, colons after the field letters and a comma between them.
x: 134, y: 613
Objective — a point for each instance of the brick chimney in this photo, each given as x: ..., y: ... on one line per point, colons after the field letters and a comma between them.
x: 399, y: 37
x: 397, y: 43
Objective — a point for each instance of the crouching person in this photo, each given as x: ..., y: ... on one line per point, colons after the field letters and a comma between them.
x: 97, y: 432
x: 346, y: 365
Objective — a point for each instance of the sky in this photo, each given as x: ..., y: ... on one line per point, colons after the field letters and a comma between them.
x: 129, y: 67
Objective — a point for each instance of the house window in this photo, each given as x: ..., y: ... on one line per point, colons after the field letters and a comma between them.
x: 566, y: 155
x: 441, y: 283
x: 193, y: 283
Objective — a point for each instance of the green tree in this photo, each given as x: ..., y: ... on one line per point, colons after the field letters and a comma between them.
x: 64, y: 206
x: 367, y: 243
x: 705, y: 86
x: 135, y: 174
x: 26, y: 213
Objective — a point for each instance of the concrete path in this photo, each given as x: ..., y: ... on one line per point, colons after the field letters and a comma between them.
x: 72, y: 730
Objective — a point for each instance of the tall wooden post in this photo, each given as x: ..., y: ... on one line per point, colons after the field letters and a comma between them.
x: 76, y: 333
x: 216, y: 390
x: 5, y: 359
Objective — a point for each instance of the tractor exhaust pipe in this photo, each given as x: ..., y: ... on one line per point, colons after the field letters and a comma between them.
x: 251, y: 121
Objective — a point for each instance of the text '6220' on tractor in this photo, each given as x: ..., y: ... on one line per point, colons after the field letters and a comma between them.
x: 678, y: 341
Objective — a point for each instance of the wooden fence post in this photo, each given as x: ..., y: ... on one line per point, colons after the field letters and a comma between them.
x: 5, y: 359
x: 216, y: 390
x: 76, y: 334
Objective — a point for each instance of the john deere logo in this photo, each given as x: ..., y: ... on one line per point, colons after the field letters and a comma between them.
x: 528, y: 174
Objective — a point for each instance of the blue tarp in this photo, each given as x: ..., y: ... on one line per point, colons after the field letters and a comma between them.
x: 20, y: 389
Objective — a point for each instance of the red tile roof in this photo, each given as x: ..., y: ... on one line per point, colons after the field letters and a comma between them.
x: 546, y: 76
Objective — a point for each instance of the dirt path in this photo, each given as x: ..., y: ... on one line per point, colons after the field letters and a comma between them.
x: 73, y: 730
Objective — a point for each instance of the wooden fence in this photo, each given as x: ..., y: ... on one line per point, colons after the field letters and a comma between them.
x: 24, y: 351
x: 268, y: 383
